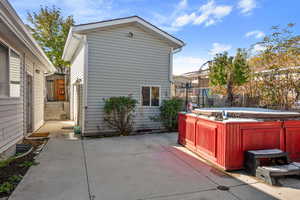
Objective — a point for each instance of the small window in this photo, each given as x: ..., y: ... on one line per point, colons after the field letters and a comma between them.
x: 4, y: 81
x: 14, y: 74
x: 146, y: 96
x: 150, y: 96
x: 154, y: 96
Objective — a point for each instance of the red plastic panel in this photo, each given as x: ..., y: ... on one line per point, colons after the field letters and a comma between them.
x: 254, y: 139
x: 234, y: 155
x: 191, y: 130
x: 181, y: 128
x: 206, y: 139
x: 293, y: 142
x: 225, y: 144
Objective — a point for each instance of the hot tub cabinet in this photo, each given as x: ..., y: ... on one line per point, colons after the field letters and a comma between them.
x: 224, y: 142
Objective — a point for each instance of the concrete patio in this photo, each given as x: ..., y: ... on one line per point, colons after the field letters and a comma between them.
x: 134, y: 168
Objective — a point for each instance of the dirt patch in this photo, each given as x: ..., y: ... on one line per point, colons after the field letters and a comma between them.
x: 13, y: 169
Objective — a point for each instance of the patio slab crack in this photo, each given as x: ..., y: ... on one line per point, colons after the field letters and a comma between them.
x: 91, y: 196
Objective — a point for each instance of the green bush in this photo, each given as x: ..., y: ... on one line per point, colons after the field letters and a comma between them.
x: 4, y: 163
x: 15, y: 179
x: 28, y: 164
x: 6, y: 187
x: 119, y: 114
x: 169, y: 113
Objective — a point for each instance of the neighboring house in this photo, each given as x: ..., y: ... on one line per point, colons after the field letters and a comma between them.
x: 199, y: 82
x: 23, y: 66
x: 120, y: 57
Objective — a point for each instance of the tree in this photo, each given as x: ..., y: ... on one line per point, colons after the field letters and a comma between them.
x: 51, y: 29
x: 228, y: 71
x: 276, y: 74
x: 279, y: 49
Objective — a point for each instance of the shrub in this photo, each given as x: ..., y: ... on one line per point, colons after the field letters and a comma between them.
x: 15, y: 179
x: 4, y: 163
x: 28, y: 164
x: 6, y: 187
x: 119, y: 114
x: 169, y: 113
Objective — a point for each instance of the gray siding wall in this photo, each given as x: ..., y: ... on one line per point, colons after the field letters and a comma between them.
x: 13, y: 109
x: 38, y: 91
x: 11, y: 118
x: 118, y: 66
x: 77, y: 71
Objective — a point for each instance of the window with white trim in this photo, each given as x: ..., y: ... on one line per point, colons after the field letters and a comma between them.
x: 10, y: 72
x: 14, y: 74
x: 150, y: 96
x: 4, y: 70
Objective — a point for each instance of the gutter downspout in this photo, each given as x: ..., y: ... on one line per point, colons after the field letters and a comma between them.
x: 172, y: 52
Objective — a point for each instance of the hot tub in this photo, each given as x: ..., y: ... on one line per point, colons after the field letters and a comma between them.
x: 223, y: 141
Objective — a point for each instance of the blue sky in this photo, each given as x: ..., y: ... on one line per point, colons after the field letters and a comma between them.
x: 206, y: 26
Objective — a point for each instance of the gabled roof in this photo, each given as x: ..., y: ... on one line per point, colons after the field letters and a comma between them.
x: 16, y: 25
x: 75, y: 31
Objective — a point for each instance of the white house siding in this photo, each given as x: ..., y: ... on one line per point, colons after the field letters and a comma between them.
x: 77, y: 71
x: 11, y: 119
x: 12, y: 109
x: 38, y: 97
x: 33, y: 68
x: 118, y: 66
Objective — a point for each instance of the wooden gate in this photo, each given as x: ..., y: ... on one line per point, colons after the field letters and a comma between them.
x: 59, y: 90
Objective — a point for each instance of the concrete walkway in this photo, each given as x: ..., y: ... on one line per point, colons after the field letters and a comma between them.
x: 133, y: 168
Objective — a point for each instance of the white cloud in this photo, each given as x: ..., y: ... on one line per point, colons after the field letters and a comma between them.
x: 208, y: 14
x: 169, y: 22
x: 184, y: 20
x: 247, y: 6
x: 82, y: 10
x: 219, y: 48
x: 183, y: 4
x: 257, y: 34
x: 88, y: 10
x: 258, y: 48
x: 183, y: 64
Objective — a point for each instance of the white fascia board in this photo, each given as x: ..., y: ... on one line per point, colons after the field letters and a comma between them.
x: 87, y: 27
x: 71, y: 46
x: 25, y: 37
x: 67, y: 44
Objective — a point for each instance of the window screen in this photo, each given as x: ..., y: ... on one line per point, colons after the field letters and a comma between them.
x: 14, y: 74
x: 155, y: 96
x: 146, y: 96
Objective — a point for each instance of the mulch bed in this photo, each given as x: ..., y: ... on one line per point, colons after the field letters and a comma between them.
x: 13, y: 172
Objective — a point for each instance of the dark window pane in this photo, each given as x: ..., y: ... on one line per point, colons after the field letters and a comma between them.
x: 155, y: 96
x: 3, y: 70
x: 146, y: 96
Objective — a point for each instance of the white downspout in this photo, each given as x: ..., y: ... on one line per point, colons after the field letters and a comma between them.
x: 172, y: 52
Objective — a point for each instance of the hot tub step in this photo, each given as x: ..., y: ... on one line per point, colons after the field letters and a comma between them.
x: 279, y: 165
x: 271, y: 174
x: 253, y: 158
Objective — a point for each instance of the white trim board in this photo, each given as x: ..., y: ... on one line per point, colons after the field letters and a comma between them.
x: 75, y: 33
x: 16, y: 25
